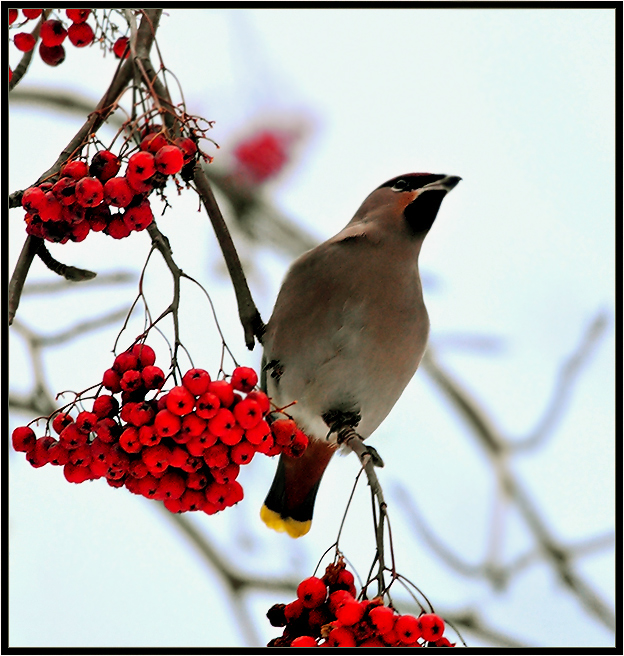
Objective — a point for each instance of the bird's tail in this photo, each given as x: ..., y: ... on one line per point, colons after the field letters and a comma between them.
x: 289, y: 505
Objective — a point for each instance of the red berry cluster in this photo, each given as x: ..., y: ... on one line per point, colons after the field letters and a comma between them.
x: 184, y: 448
x: 327, y: 614
x: 92, y: 197
x: 262, y: 156
x: 53, y: 33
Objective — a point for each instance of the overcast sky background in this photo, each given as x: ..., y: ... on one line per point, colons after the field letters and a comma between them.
x: 520, y: 104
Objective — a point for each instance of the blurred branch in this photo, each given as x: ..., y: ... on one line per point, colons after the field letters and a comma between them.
x: 52, y: 286
x: 497, y: 448
x: 566, y: 379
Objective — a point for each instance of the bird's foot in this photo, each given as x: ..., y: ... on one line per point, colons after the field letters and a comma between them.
x: 375, y: 457
x: 343, y: 425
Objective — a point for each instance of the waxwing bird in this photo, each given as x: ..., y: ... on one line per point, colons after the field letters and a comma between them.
x: 347, y: 333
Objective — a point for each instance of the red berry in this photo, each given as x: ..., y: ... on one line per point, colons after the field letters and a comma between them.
x: 258, y: 433
x: 193, y: 425
x: 431, y: 626
x: 98, y: 217
x: 104, y: 165
x: 223, y: 390
x: 312, y: 592
x: 407, y: 629
x: 107, y: 430
x: 171, y: 486
x: 24, y: 41
x: 71, y: 437
x: 153, y: 377
x: 138, y: 186
x: 261, y: 399
x: 156, y: 457
x: 23, y: 438
x: 117, y: 228
x: 51, y: 55
x: 77, y: 15
x: 244, y: 379
x: 350, y: 613
x: 383, y: 618
x: 242, y: 453
x: 293, y: 610
x: 196, y: 381
x: 80, y: 34
x: 298, y: 446
x: 65, y: 190
x: 145, y: 354
x: 222, y: 423
x: 38, y: 455
x: 169, y: 160
x: 443, y: 642
x: 80, y: 456
x: 52, y: 33
x: 58, y: 454
x: 268, y: 446
x: 117, y: 192
x: 153, y: 142
x: 262, y: 155
x: 217, y: 456
x: 139, y: 217
x: 232, y: 436
x: 207, y: 405
x: 341, y: 637
x: 303, y: 641
x: 120, y: 46
x: 142, y: 414
x: 105, y: 406
x: 60, y: 421
x: 12, y: 16
x: 111, y: 381
x: 75, y: 169
x: 76, y: 473
x: 228, y: 474
x: 131, y: 380
x: 89, y: 192
x: 188, y: 148
x: 284, y: 431
x: 31, y: 14
x: 338, y: 598
x: 180, y: 401
x: 125, y: 361
x: 86, y: 421
x: 148, y: 436
x: 247, y: 413
x: 53, y: 210
x: 166, y: 423
x: 148, y: 486
x: 34, y: 200
x: 141, y: 165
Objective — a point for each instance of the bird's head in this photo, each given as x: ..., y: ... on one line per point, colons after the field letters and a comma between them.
x: 414, y: 197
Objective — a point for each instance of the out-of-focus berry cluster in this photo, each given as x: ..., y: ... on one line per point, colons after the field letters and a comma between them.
x: 327, y: 614
x: 92, y: 196
x: 184, y: 447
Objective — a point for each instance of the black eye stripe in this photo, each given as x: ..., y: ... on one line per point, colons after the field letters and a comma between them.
x: 411, y: 181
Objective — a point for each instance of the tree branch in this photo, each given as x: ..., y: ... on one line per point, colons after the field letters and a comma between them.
x: 253, y: 325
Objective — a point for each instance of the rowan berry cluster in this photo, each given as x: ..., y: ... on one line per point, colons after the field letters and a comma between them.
x: 327, y: 614
x: 55, y: 30
x: 184, y: 447
x: 93, y: 197
x: 262, y: 155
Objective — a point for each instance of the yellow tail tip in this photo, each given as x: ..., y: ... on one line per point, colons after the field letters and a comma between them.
x: 284, y: 524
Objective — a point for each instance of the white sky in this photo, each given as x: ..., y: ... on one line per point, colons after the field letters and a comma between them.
x: 519, y: 103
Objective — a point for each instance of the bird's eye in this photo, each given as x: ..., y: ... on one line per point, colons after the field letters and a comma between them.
x: 400, y: 185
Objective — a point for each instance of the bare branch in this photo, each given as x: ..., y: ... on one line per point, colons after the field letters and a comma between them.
x: 253, y: 325
x: 68, y: 272
x: 102, y: 280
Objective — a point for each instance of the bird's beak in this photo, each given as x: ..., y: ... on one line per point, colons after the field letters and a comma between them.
x: 447, y: 183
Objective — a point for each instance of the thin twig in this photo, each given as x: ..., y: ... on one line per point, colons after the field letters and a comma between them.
x: 72, y: 273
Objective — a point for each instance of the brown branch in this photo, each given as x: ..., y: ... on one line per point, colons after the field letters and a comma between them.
x: 29, y: 250
x: 51, y: 286
x: 68, y: 272
x: 250, y: 319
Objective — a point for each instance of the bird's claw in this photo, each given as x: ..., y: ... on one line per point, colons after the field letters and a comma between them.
x: 375, y: 457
